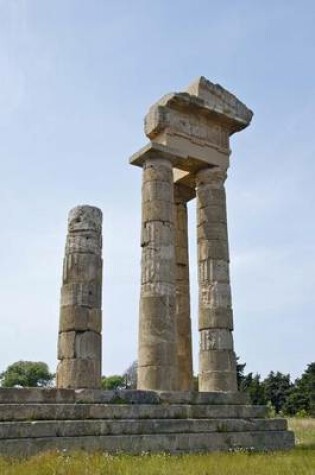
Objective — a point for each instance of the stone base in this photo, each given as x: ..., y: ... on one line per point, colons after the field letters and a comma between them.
x: 33, y: 420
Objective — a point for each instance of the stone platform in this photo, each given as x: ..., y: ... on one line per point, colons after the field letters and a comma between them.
x: 33, y: 420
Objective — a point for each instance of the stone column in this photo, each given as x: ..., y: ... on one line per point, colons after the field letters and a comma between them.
x: 157, y: 369
x: 217, y: 364
x: 183, y: 322
x: 79, y: 344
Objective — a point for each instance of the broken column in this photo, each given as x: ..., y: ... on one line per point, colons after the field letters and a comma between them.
x: 183, y: 322
x: 79, y: 343
x: 217, y: 362
x: 157, y: 326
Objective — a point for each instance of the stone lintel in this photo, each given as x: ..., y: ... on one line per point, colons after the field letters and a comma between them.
x: 183, y: 192
x: 180, y: 160
x: 154, y: 150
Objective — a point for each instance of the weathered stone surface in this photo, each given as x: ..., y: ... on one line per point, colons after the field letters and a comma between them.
x: 215, y: 294
x: 88, y: 345
x: 155, y: 265
x: 157, y: 170
x: 85, y: 218
x: 211, y: 214
x: 216, y: 339
x: 157, y: 191
x: 161, y: 377
x: 182, y: 312
x: 86, y: 242
x: 118, y: 410
x: 157, y: 325
x: 94, y: 419
x: 36, y: 395
x: 215, y: 249
x: 78, y: 264
x: 172, y: 443
x: 80, y: 319
x: 211, y: 270
x: 82, y: 418
x: 84, y: 294
x: 79, y: 373
x: 66, y: 345
x: 156, y: 231
x: 217, y: 362
x: 158, y: 353
x: 211, y: 232
x: 79, y: 342
x: 98, y: 428
x: 210, y: 196
x: 219, y: 380
x: 181, y: 255
x: 218, y: 317
x: 157, y: 211
x: 43, y: 396
x: 220, y: 360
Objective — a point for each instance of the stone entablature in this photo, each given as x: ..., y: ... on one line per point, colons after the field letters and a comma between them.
x: 198, y: 123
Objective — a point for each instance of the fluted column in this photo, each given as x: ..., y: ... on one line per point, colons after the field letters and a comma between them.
x: 79, y: 343
x: 217, y: 363
x: 157, y: 326
x: 183, y: 321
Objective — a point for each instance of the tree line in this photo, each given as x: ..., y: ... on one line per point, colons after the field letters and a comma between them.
x: 282, y: 395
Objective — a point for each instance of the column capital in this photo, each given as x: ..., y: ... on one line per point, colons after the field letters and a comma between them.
x: 211, y: 176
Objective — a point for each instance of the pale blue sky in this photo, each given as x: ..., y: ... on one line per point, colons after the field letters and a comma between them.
x: 76, y: 79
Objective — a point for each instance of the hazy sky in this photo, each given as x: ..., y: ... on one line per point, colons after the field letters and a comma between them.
x: 76, y: 79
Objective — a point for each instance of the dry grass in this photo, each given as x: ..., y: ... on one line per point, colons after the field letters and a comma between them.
x: 300, y: 461
x: 296, y: 462
x: 304, y: 431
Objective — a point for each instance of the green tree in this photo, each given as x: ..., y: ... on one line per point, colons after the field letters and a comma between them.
x: 255, y: 388
x: 277, y: 389
x: 26, y: 374
x: 302, y: 395
x: 240, y: 368
x: 113, y: 382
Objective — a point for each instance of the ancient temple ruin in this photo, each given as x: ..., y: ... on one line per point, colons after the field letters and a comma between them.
x: 187, y: 157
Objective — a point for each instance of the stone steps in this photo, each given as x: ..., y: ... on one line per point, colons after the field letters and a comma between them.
x: 79, y: 428
x: 68, y: 396
x: 32, y: 420
x: 170, y: 443
x: 32, y: 412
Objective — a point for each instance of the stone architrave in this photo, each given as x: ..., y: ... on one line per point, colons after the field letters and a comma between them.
x: 217, y: 362
x: 192, y: 129
x: 157, y: 327
x: 183, y: 322
x: 80, y: 326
